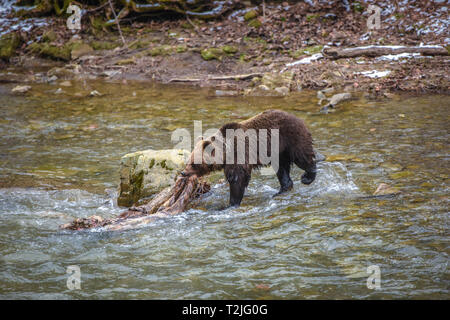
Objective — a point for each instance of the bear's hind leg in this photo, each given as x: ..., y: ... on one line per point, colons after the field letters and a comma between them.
x: 310, y: 171
x: 283, y: 176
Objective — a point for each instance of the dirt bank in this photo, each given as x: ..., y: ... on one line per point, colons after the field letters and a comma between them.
x: 251, y: 51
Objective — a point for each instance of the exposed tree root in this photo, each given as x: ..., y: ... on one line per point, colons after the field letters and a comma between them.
x: 169, y: 201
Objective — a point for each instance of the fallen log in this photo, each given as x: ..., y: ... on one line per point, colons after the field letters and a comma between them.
x: 232, y: 77
x: 376, y: 51
x: 168, y: 202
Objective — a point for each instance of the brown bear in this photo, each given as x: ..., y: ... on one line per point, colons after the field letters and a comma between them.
x: 271, y: 137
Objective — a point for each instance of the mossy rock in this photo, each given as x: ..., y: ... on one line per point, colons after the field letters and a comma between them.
x: 9, y: 44
x: 145, y: 173
x: 181, y: 48
x: 275, y: 80
x: 255, y: 23
x: 229, y: 49
x: 252, y: 14
x: 160, y: 51
x: 126, y: 61
x: 212, y: 53
x: 51, y: 51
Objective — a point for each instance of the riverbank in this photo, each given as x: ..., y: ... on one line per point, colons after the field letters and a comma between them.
x: 274, y: 51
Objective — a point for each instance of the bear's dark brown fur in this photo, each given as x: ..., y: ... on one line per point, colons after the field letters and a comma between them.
x: 295, y: 146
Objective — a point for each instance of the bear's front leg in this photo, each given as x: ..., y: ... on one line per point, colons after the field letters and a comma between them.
x: 238, y: 177
x: 284, y: 178
x: 237, y: 191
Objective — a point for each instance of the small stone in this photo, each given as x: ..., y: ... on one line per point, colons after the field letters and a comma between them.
x: 263, y: 87
x: 320, y: 95
x: 226, y: 93
x: 338, y: 98
x: 66, y: 83
x: 58, y: 91
x: 282, y: 90
x: 52, y: 78
x: 95, y: 93
x: 21, y: 89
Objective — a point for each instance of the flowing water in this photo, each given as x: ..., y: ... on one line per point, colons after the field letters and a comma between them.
x: 60, y: 158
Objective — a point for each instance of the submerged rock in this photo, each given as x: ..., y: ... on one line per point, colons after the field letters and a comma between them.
x: 336, y: 99
x: 145, y: 173
x: 21, y: 89
x: 385, y: 189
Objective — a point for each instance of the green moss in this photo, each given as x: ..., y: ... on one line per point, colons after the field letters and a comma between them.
x: 229, y: 49
x: 252, y: 14
x: 139, y: 44
x: 97, y: 24
x: 51, y: 51
x: 103, y: 45
x: 308, y: 50
x: 126, y: 61
x: 9, y: 44
x: 311, y: 17
x: 49, y: 36
x: 244, y: 58
x: 160, y: 51
x: 255, y: 23
x: 136, y: 182
x: 357, y: 7
x: 212, y: 53
x: 181, y: 49
x: 152, y: 163
x: 186, y: 25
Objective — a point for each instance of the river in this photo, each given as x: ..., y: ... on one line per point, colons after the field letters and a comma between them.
x: 60, y: 157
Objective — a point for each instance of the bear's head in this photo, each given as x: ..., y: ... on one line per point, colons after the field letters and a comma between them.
x: 206, y: 156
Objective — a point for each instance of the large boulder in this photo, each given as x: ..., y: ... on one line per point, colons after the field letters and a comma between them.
x: 144, y: 173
